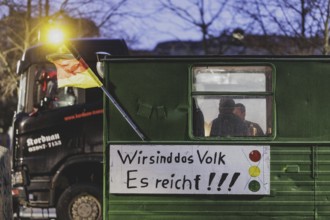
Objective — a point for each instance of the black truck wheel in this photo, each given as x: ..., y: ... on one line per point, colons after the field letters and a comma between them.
x: 80, y: 201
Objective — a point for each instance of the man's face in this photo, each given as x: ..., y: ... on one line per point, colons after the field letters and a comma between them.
x: 238, y: 111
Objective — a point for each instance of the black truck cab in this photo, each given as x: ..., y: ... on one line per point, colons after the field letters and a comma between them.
x: 57, y: 146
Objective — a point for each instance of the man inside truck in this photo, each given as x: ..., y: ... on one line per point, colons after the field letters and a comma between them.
x: 253, y: 128
x: 227, y: 123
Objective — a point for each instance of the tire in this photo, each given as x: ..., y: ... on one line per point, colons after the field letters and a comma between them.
x: 80, y: 201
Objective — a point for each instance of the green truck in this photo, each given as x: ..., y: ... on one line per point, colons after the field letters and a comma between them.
x: 222, y: 138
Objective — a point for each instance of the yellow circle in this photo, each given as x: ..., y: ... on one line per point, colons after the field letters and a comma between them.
x: 254, y: 171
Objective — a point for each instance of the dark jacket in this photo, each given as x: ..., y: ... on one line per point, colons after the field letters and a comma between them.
x: 228, y: 125
x: 254, y: 129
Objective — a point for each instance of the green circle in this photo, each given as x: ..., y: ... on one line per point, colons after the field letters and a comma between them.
x: 254, y: 186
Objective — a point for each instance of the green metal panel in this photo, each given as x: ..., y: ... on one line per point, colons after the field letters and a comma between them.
x: 155, y: 93
x: 321, y: 170
x: 155, y: 97
x: 302, y: 106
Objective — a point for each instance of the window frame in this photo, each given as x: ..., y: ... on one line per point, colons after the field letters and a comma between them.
x: 268, y: 95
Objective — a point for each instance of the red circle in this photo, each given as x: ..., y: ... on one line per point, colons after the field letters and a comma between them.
x: 255, y: 155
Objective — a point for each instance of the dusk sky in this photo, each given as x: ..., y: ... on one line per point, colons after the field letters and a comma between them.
x: 143, y: 20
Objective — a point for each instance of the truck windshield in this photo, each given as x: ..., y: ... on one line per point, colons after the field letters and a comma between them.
x: 43, y: 91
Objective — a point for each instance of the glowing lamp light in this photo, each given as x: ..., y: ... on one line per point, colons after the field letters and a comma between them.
x: 255, y: 155
x: 55, y: 36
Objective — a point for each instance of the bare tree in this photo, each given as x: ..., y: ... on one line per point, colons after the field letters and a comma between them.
x: 200, y: 14
x: 21, y: 24
x: 321, y: 14
x: 289, y: 27
x: 108, y: 15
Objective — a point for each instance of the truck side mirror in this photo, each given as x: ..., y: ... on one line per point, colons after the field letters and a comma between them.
x: 99, y: 65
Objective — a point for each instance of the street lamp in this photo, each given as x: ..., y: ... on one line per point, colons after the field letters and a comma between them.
x: 55, y: 35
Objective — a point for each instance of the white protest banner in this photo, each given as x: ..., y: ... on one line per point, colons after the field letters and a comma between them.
x: 190, y: 169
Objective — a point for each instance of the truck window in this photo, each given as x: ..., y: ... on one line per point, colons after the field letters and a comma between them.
x: 21, y: 93
x: 45, y: 92
x: 232, y: 101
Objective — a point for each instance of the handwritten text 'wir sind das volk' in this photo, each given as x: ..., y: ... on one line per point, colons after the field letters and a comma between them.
x: 203, y: 157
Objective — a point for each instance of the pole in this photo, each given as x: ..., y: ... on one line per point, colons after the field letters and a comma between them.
x: 76, y: 54
x: 123, y: 113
